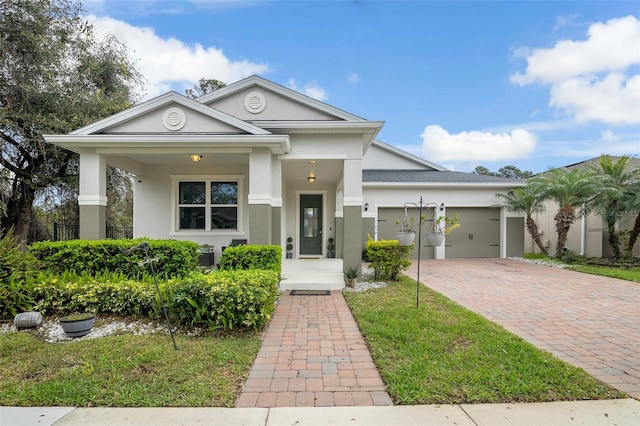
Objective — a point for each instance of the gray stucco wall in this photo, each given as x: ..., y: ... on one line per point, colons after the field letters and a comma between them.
x: 93, y: 221
x: 352, y: 239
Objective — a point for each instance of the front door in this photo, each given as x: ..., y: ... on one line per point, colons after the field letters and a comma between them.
x: 311, y: 224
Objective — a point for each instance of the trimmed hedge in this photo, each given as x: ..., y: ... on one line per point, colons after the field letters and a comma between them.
x: 175, y: 258
x: 388, y: 258
x: 248, y: 257
x: 220, y: 300
x: 224, y: 299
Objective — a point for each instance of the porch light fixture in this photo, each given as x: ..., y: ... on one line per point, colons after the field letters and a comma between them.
x: 366, y: 207
x: 311, y: 179
x: 441, y: 206
x: 195, y: 157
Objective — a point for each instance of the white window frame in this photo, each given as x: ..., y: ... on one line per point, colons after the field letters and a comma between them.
x: 207, y: 179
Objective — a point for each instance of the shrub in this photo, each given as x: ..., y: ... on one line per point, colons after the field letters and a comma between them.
x: 15, y: 267
x: 107, y: 293
x: 15, y: 263
x: 220, y: 300
x: 224, y: 299
x: 252, y: 257
x: 175, y: 258
x: 388, y: 258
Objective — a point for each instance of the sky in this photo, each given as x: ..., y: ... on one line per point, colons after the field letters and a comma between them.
x: 533, y: 84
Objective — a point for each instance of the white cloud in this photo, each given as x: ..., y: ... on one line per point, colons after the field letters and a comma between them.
x: 588, y: 78
x: 353, y: 78
x: 439, y: 145
x: 311, y: 89
x: 609, y: 136
x: 168, y: 62
x: 614, y: 99
x: 611, y: 46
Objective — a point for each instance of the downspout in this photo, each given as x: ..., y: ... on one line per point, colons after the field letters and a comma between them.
x: 583, y: 233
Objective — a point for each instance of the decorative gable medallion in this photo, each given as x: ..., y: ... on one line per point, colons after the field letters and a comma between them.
x: 255, y: 102
x: 174, y: 119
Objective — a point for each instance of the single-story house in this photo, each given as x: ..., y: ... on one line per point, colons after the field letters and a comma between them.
x: 589, y: 235
x: 259, y: 162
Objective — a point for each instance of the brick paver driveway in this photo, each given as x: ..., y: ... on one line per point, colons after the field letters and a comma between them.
x: 589, y: 321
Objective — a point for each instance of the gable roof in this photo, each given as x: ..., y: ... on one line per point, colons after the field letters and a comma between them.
x: 426, y: 177
x: 257, y: 81
x: 162, y: 101
x: 404, y: 154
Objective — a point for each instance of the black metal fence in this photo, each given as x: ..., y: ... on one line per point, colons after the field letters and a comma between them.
x: 71, y: 231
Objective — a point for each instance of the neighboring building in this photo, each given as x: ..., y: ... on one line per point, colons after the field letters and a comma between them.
x: 271, y: 163
x: 588, y: 236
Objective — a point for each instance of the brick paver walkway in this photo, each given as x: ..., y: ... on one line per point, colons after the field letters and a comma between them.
x: 590, y: 321
x: 313, y: 355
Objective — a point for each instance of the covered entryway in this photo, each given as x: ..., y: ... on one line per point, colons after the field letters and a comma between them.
x: 478, y: 234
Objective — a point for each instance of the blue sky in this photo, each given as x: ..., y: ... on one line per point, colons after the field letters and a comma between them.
x: 534, y: 84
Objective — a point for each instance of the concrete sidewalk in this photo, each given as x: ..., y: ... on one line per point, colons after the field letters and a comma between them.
x: 622, y: 412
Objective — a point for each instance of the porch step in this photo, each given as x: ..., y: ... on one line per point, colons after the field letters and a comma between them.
x: 312, y: 274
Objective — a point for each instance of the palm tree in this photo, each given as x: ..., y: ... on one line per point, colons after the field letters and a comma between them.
x: 614, y: 196
x: 571, y: 190
x: 526, y: 200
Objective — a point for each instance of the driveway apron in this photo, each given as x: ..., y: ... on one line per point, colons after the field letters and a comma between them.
x: 313, y: 355
x: 589, y: 321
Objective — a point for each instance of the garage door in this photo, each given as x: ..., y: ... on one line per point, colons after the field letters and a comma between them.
x: 478, y: 234
x: 387, y: 228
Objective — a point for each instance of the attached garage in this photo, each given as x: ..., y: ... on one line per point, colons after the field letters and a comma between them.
x: 478, y: 234
x: 388, y: 228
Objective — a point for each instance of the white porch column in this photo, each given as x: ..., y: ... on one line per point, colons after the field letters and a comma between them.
x: 352, y: 214
x: 92, y: 197
x: 259, y: 198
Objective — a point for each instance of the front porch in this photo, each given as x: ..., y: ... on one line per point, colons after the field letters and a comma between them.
x: 312, y: 274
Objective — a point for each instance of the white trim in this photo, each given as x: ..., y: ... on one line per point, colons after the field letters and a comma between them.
x: 352, y: 201
x: 160, y: 102
x: 281, y: 90
x: 254, y: 199
x: 299, y: 192
x: 313, y: 157
x: 92, y: 200
x: 176, y: 179
x: 408, y: 156
x: 279, y: 144
x: 508, y: 185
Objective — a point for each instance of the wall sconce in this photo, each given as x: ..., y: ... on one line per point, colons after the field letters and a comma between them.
x: 366, y: 207
x: 441, y: 206
x: 195, y: 157
x: 311, y: 179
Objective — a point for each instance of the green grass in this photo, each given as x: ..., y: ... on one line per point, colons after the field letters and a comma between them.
x: 624, y: 270
x: 124, y: 371
x: 442, y: 353
x: 630, y: 274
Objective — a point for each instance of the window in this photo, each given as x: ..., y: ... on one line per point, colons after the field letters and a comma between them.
x: 207, y: 204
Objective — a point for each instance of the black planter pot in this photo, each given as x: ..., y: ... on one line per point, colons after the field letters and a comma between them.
x: 77, y: 327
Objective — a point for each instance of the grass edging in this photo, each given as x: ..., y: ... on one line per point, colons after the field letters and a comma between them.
x: 442, y: 353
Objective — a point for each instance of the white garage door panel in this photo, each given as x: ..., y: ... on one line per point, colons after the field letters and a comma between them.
x: 478, y: 234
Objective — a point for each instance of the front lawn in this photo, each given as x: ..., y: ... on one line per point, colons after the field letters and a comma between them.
x: 124, y: 370
x: 442, y: 353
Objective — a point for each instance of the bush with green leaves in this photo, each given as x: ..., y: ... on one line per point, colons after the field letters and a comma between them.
x: 175, y: 258
x: 388, y: 258
x: 224, y: 299
x: 220, y: 300
x: 107, y: 293
x: 268, y: 257
x: 15, y: 267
